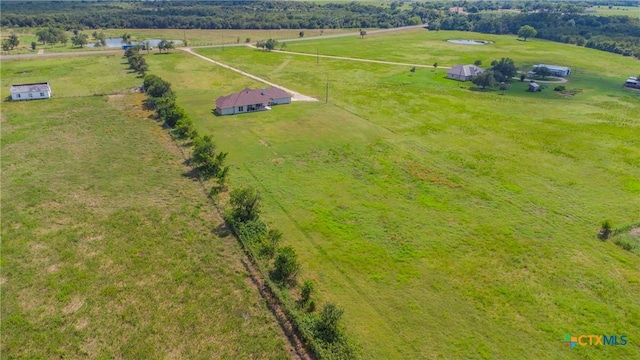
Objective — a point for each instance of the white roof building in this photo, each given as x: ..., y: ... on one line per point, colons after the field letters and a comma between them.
x: 30, y: 91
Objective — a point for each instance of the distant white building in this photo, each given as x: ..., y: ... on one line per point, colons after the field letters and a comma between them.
x: 555, y: 70
x: 463, y: 72
x: 31, y: 91
x: 632, y: 82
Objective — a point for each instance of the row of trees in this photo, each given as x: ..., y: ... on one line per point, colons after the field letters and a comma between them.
x: 207, y: 15
x: 136, y: 61
x: 558, y: 21
x: 322, y: 330
x: 207, y: 163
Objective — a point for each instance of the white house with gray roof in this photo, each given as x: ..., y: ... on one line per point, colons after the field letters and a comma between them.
x: 30, y: 91
x: 463, y: 72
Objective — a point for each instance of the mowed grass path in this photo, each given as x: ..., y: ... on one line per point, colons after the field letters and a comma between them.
x: 108, y: 250
x: 449, y: 223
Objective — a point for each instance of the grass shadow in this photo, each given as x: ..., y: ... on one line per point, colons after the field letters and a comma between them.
x: 479, y: 89
x: 222, y: 230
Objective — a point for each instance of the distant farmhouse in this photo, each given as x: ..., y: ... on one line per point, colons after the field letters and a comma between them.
x: 31, y: 91
x: 249, y: 100
x: 554, y: 69
x: 463, y: 72
x: 632, y: 82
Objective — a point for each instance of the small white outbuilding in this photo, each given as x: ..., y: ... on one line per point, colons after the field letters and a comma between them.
x: 31, y: 91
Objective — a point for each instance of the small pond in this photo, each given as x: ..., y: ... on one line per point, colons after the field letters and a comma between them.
x: 469, y: 42
x: 117, y: 42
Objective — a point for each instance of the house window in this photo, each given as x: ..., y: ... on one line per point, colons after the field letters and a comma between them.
x: 240, y: 108
x: 30, y: 95
x: 17, y: 95
x: 41, y: 94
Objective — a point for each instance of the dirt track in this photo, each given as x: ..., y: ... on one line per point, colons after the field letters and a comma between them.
x: 296, y: 95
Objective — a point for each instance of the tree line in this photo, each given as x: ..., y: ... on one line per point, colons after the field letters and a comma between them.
x: 559, y: 21
x: 321, y: 329
x: 205, y: 15
x: 616, y: 34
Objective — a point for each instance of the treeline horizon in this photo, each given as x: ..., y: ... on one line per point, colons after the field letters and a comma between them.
x: 559, y: 21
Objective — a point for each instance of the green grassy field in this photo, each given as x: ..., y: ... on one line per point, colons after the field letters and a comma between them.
x: 633, y: 11
x: 108, y: 249
x: 449, y: 223
x: 194, y: 37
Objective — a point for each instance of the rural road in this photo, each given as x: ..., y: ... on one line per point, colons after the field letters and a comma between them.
x: 354, y: 59
x: 296, y: 96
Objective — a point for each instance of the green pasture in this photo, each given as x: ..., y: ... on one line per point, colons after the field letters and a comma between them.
x: 448, y: 222
x: 421, y: 46
x: 194, y: 37
x: 71, y: 76
x: 632, y: 11
x: 108, y: 249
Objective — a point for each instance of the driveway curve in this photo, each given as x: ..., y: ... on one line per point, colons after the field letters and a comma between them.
x: 296, y: 96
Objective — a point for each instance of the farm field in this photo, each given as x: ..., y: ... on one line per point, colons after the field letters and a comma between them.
x: 421, y: 46
x: 633, y: 11
x: 449, y: 223
x: 194, y: 37
x: 108, y: 249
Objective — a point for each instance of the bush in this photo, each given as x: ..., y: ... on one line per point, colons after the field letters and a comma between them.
x: 605, y: 230
x: 306, y: 292
x: 560, y: 88
x: 271, y: 242
x: 245, y: 204
x: 184, y: 128
x: 286, y: 265
x: 251, y: 230
x: 328, y: 326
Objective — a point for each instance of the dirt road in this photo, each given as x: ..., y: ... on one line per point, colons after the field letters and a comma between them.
x: 296, y: 96
x: 355, y: 59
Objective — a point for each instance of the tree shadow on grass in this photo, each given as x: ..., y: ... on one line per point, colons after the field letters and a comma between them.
x: 479, y: 89
x: 222, y: 230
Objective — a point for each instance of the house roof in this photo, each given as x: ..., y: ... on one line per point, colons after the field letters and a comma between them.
x: 30, y: 88
x: 465, y: 70
x: 552, y: 67
x: 251, y: 97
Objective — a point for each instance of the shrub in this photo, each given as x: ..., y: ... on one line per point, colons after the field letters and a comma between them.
x: 184, y: 128
x: 286, y: 265
x: 328, y: 326
x: 245, y: 204
x: 306, y: 292
x: 271, y: 242
x: 560, y: 88
x: 251, y: 230
x: 605, y: 230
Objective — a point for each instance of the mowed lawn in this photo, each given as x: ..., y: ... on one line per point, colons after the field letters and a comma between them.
x: 108, y: 250
x: 448, y: 222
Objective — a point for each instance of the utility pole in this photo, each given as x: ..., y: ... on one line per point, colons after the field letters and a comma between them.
x: 317, y: 57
